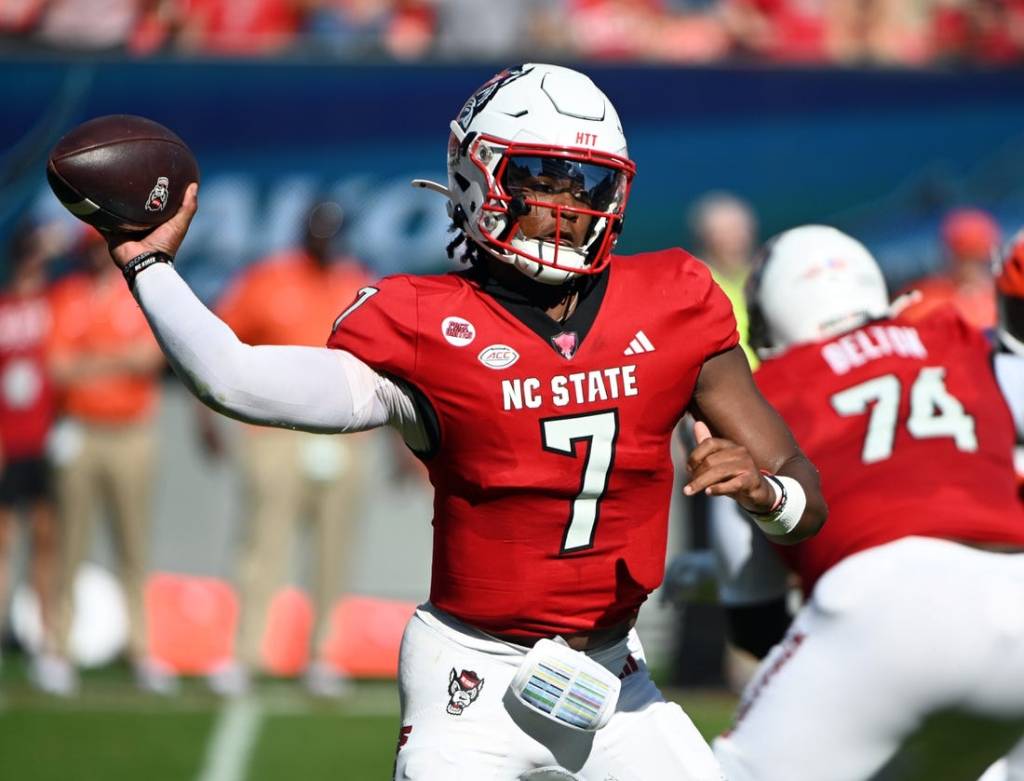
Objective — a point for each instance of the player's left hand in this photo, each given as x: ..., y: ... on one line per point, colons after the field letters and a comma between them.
x: 720, y: 467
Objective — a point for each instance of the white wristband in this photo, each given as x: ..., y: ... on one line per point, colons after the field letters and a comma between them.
x: 791, y: 501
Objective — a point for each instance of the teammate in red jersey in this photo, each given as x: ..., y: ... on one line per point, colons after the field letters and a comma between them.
x: 915, y: 587
x: 541, y: 387
x: 27, y: 409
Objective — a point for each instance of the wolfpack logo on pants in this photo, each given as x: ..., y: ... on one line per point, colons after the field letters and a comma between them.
x: 464, y: 688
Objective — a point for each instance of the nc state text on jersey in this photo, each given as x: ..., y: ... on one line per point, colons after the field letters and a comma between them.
x: 578, y: 387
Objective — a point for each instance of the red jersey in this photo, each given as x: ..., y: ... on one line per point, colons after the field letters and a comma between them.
x: 27, y: 398
x: 552, y: 473
x: 907, y: 424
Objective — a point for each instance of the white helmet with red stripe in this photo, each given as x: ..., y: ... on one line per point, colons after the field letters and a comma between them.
x: 539, y: 173
x: 811, y: 283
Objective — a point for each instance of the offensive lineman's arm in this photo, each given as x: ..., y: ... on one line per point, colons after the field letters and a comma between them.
x: 309, y: 388
x: 743, y: 435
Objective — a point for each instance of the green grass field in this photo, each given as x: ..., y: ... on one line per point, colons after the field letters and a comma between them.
x: 111, y: 732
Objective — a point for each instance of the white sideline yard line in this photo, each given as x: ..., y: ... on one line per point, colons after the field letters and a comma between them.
x: 231, y: 744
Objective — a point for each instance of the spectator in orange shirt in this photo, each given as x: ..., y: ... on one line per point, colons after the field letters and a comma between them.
x: 969, y: 237
x: 26, y: 414
x: 105, y: 364
x: 292, y: 298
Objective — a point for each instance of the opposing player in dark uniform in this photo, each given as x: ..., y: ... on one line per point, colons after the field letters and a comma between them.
x: 540, y: 386
x: 915, y: 587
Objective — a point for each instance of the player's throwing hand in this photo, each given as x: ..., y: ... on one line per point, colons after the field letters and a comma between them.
x: 165, y: 238
x: 720, y: 467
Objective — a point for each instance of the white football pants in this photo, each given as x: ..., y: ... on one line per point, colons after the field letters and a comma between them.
x: 890, y: 636
x: 458, y: 725
x: 1009, y: 768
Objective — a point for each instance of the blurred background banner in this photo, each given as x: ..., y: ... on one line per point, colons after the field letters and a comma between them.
x: 881, y: 153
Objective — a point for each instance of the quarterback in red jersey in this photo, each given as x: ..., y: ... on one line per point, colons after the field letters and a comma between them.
x: 915, y: 587
x: 540, y: 386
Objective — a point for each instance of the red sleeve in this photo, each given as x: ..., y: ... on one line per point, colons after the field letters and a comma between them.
x: 380, y: 326
x: 718, y: 323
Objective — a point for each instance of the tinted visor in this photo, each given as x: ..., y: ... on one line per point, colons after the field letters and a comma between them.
x: 595, y: 187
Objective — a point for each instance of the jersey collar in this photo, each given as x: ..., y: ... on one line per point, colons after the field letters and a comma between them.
x: 517, y: 301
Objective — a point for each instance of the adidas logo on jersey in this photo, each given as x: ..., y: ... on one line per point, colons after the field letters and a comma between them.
x: 639, y: 344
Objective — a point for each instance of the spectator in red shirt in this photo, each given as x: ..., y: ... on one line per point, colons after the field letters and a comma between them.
x: 19, y: 16
x: 106, y: 366
x: 27, y: 408
x: 981, y: 30
x: 239, y: 27
x: 780, y: 30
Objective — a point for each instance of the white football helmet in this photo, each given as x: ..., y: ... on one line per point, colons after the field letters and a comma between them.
x: 539, y: 137
x: 810, y: 283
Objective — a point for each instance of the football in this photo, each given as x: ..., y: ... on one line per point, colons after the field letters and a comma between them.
x: 121, y: 173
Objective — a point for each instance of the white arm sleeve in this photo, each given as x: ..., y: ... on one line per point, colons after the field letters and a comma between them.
x: 309, y: 388
x: 1010, y: 376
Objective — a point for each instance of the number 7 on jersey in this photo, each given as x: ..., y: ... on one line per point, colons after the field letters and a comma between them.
x: 599, y: 431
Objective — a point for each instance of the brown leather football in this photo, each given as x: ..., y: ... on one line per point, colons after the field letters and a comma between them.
x: 121, y: 172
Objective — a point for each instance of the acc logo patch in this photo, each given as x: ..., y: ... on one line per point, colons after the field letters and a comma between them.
x: 157, y: 201
x: 463, y: 689
x: 498, y: 356
x: 457, y: 332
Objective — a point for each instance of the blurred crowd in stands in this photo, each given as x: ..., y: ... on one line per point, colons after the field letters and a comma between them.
x: 846, y: 32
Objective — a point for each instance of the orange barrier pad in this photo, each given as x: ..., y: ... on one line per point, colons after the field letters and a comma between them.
x: 193, y: 620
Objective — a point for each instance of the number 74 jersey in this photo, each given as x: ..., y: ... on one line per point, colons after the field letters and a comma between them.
x: 907, y: 424
x: 551, y: 464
